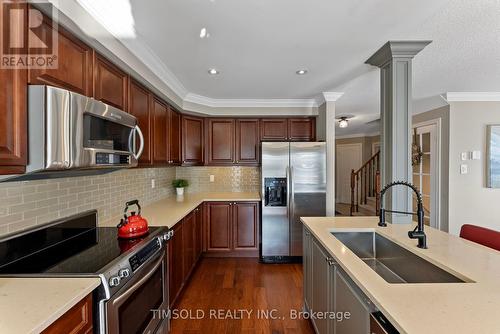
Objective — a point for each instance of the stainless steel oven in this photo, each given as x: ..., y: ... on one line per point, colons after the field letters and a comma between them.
x: 138, y: 306
x: 72, y: 131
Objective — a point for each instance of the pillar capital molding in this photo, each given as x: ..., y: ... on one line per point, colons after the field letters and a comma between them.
x: 396, y: 49
x: 328, y: 97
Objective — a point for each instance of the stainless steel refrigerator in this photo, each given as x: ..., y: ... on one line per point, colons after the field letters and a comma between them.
x: 293, y: 186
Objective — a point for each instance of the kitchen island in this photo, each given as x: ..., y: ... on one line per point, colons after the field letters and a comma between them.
x: 471, y: 306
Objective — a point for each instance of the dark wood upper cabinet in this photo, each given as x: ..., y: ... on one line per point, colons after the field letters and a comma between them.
x: 74, y: 62
x: 192, y: 141
x: 110, y: 83
x: 220, y: 141
x: 274, y: 129
x: 175, y: 125
x: 245, y: 222
x: 139, y: 106
x: 219, y: 226
x: 301, y: 129
x: 13, y: 116
x: 247, y: 142
x: 160, y: 132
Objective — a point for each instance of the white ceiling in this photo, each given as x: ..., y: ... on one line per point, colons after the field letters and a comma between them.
x: 258, y: 45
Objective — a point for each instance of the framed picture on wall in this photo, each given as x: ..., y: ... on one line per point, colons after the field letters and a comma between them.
x: 493, y: 156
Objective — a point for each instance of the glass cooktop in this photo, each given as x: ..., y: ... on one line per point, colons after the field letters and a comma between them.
x: 72, y: 247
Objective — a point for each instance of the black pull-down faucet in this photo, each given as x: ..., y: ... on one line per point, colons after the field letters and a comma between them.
x: 418, y: 232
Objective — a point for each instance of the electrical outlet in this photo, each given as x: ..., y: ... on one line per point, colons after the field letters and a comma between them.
x: 212, y: 178
x: 153, y: 183
x: 476, y: 155
x: 464, y: 169
x: 464, y: 156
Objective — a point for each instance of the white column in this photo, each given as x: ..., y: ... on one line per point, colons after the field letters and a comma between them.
x: 326, y: 132
x: 395, y: 62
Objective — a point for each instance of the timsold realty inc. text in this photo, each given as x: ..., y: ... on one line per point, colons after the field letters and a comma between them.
x: 239, y: 314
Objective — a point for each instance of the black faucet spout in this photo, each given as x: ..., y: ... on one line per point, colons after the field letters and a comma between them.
x: 418, y: 233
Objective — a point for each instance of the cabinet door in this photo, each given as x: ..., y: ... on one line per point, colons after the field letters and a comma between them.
x: 188, y: 225
x: 139, y: 106
x: 110, y: 83
x: 245, y: 219
x: 198, y: 232
x: 301, y: 129
x: 78, y: 320
x: 192, y: 141
x: 175, y: 263
x: 219, y: 226
x: 175, y: 137
x: 160, y: 132
x: 220, y: 147
x: 273, y: 129
x: 307, y: 268
x: 348, y: 300
x: 74, y: 62
x: 320, y: 294
x: 13, y: 114
x: 247, y: 142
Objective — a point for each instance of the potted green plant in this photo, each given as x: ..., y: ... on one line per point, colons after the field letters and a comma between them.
x: 179, y: 185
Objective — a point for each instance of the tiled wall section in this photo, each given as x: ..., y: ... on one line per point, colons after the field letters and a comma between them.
x: 226, y: 178
x: 29, y: 203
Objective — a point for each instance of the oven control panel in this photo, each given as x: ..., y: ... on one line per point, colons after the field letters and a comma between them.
x: 144, y: 254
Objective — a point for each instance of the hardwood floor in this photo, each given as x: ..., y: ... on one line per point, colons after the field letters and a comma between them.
x: 222, y: 292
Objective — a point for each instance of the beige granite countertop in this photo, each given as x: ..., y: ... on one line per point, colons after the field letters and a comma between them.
x: 424, y: 308
x: 29, y: 305
x: 169, y: 211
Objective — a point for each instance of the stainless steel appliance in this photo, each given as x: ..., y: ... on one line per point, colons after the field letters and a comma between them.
x: 293, y: 186
x: 133, y: 295
x: 71, y: 131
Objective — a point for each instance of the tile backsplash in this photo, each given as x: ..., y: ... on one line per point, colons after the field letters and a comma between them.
x: 27, y: 204
x: 225, y: 178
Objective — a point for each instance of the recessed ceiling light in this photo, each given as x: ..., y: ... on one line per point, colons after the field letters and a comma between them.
x: 213, y: 71
x: 204, y: 33
x: 301, y: 72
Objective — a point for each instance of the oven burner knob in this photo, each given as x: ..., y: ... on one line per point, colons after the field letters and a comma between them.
x: 124, y: 273
x: 114, y: 281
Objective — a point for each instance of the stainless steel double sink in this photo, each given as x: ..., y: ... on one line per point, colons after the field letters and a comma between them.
x: 392, y: 262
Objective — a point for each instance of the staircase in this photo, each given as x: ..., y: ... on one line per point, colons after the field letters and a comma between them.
x: 365, y: 188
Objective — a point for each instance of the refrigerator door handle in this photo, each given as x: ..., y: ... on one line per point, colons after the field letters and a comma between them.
x: 292, y: 196
x: 288, y: 178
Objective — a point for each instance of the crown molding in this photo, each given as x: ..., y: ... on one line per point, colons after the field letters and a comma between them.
x: 250, y: 103
x: 396, y: 49
x: 472, y: 97
x: 328, y: 97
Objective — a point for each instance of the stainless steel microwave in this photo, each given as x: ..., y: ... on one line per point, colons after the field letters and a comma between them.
x: 71, y: 131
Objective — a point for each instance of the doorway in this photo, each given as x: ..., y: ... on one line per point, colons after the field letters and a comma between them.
x: 426, y: 173
x: 349, y: 157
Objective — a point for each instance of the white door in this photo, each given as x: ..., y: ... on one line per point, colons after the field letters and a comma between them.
x: 426, y: 174
x: 349, y: 157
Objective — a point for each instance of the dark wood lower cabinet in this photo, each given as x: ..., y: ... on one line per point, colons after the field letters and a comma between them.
x: 232, y: 228
x: 78, y: 320
x: 213, y: 229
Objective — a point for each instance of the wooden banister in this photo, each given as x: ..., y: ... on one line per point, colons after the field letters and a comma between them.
x: 364, y: 183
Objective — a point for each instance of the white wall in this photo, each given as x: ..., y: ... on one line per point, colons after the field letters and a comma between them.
x: 470, y: 202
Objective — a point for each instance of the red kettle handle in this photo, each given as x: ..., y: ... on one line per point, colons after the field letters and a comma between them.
x: 130, y: 203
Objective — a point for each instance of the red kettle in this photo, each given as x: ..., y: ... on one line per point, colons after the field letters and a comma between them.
x: 132, y: 226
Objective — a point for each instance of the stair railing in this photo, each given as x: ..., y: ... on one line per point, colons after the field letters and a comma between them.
x: 365, y: 182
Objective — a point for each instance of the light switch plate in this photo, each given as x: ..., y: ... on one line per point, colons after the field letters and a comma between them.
x: 464, y: 169
x: 153, y: 183
x: 212, y: 178
x: 464, y: 156
x: 476, y: 155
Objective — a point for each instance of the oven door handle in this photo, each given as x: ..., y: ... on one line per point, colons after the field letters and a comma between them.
x: 140, y: 282
x: 137, y: 155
